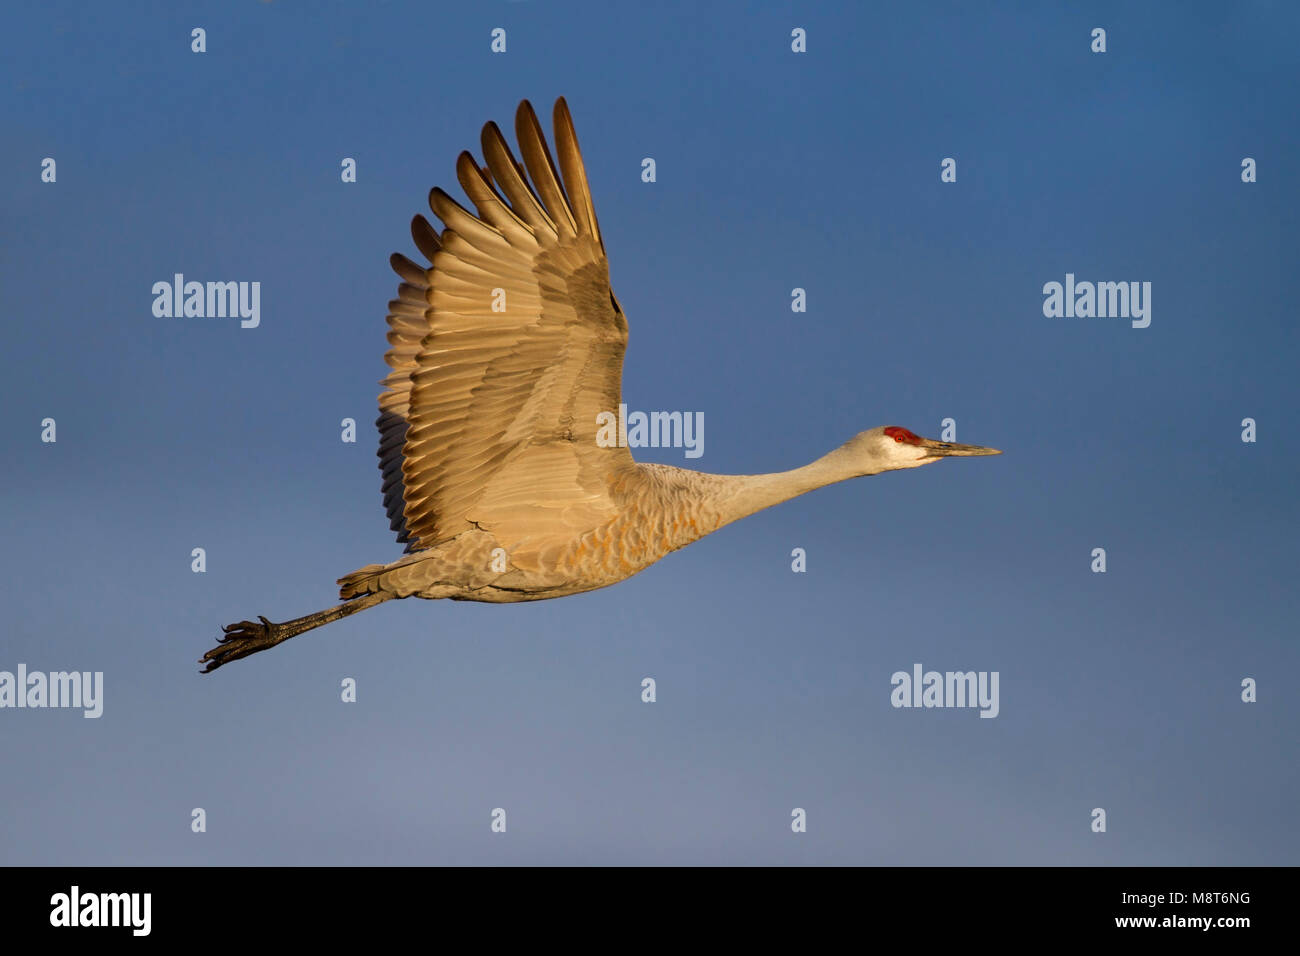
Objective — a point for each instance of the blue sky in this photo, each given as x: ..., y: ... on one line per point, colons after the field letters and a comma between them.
x: 775, y: 170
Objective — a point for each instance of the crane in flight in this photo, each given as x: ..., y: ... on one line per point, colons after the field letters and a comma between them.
x: 504, y: 350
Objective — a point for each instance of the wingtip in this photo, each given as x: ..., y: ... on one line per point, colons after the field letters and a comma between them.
x: 425, y: 236
x: 524, y: 109
x: 491, y: 132
x: 466, y: 165
x: 561, y: 112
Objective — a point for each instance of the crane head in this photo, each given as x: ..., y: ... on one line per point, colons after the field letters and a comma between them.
x: 891, y: 447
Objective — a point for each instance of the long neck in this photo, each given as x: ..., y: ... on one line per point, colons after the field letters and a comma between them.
x: 752, y: 493
x: 700, y: 503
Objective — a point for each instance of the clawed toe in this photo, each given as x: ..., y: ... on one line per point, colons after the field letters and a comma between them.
x: 249, y: 637
x: 240, y: 640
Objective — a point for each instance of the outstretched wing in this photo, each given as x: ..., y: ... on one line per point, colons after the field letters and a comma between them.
x: 503, y: 353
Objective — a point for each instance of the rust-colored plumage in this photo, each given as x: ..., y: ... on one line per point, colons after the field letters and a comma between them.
x: 503, y: 352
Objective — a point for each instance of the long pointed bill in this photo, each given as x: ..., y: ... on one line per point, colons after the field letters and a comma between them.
x: 947, y: 449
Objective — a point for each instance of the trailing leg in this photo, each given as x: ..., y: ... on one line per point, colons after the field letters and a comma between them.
x: 249, y: 637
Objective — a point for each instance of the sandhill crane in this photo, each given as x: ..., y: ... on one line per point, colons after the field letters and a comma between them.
x: 493, y: 477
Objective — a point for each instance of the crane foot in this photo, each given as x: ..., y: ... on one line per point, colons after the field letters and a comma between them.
x: 240, y: 640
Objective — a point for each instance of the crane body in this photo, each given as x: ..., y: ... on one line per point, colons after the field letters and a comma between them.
x: 506, y: 352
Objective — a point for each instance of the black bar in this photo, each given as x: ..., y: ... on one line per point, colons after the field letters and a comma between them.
x: 978, y: 905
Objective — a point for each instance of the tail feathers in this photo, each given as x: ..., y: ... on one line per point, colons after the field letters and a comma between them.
x: 359, y: 582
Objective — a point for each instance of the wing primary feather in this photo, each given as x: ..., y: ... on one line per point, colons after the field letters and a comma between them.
x: 409, y: 271
x: 541, y: 169
x: 490, y: 204
x: 506, y: 171
x: 425, y: 236
x: 575, y: 174
x: 461, y: 222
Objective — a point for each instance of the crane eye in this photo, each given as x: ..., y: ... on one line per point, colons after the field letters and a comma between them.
x: 903, y: 435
